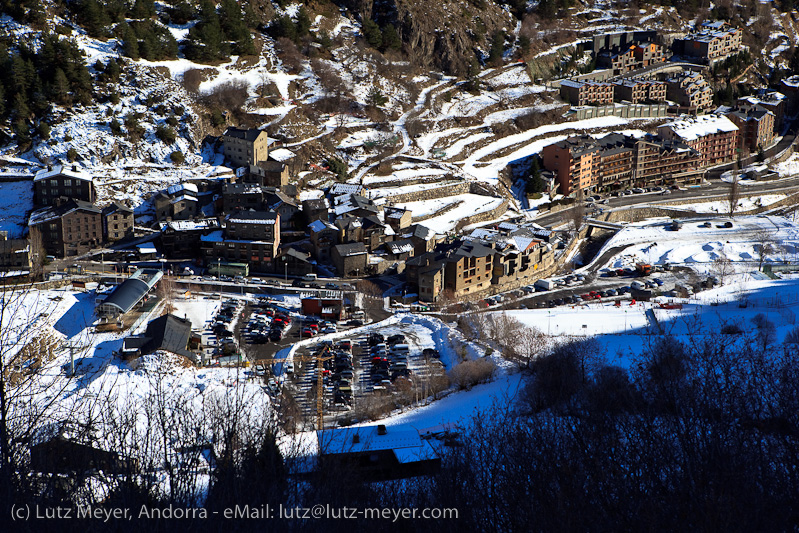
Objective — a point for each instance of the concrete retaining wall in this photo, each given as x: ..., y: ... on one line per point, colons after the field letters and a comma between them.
x: 623, y: 111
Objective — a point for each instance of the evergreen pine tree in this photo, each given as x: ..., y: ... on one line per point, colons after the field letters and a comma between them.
x: 391, y: 39
x: 130, y: 44
x: 372, y: 33
x: 59, y: 89
x: 375, y: 97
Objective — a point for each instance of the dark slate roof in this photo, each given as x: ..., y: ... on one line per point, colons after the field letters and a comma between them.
x: 272, y: 166
x: 421, y: 232
x: 293, y: 252
x: 46, y: 214
x: 275, y: 198
x: 248, y: 134
x: 168, y: 333
x: 116, y: 207
x: 132, y: 290
x: 345, y: 250
x: 472, y: 249
x: 265, y: 217
x: 316, y: 204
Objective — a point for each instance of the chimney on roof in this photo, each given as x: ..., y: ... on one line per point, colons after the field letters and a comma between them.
x: 74, y: 168
x: 381, y: 429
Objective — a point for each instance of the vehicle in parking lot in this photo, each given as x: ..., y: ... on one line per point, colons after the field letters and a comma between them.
x: 259, y: 370
x: 307, y: 332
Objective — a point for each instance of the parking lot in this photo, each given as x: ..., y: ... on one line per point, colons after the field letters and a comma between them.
x: 378, y: 363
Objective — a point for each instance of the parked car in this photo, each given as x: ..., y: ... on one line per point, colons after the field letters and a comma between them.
x: 307, y: 332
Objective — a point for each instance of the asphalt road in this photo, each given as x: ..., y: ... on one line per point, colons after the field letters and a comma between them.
x: 715, y: 188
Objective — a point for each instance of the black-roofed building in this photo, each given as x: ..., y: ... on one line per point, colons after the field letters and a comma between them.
x: 243, y: 147
x: 469, y: 269
x: 128, y: 293
x: 117, y: 222
x: 378, y: 452
x: 400, y: 250
x: 324, y: 236
x: 283, y: 205
x: 60, y: 454
x: 355, y: 205
x: 350, y: 259
x: 166, y: 333
x: 57, y: 182
x: 315, y: 209
x: 294, y: 262
x: 424, y: 239
x: 398, y: 218
x: 376, y: 233
x: 251, y: 237
x: 70, y: 228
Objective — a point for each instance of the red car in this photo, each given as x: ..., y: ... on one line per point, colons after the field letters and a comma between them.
x: 314, y: 327
x: 307, y: 332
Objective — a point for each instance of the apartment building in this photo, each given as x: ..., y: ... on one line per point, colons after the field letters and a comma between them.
x: 618, y: 162
x: 637, y: 91
x: 244, y: 147
x: 648, y: 54
x: 58, y: 182
x: 666, y: 162
x: 70, y: 228
x: 756, y: 127
x: 117, y: 222
x: 690, y: 91
x: 586, y: 92
x: 715, y: 137
x: 251, y: 237
x: 715, y: 41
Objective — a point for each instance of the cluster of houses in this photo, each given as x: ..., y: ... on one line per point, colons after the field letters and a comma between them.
x: 623, y: 55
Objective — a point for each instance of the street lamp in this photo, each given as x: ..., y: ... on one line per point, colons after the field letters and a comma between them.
x: 285, y: 268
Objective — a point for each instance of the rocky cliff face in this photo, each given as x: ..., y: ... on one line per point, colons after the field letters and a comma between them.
x: 444, y: 34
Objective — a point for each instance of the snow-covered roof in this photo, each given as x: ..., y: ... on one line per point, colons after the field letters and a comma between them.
x: 175, y: 189
x: 692, y: 128
x: 188, y: 225
x: 406, y: 443
x: 318, y: 225
x: 281, y: 154
x: 570, y: 83
x: 59, y: 170
x: 182, y: 197
x: 146, y: 248
x: 252, y: 217
x: 345, y: 188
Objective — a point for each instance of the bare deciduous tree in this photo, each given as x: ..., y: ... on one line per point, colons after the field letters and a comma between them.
x: 722, y: 268
x: 764, y: 246
x: 733, y: 196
